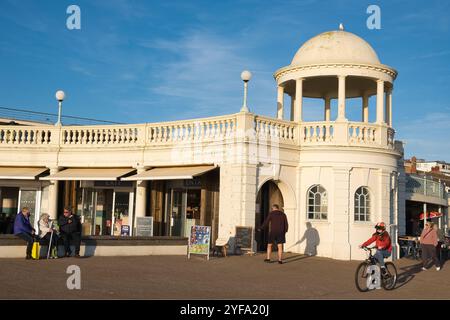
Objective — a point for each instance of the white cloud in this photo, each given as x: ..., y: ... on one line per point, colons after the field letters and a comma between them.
x: 204, y: 70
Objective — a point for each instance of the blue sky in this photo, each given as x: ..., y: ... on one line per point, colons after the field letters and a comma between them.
x: 145, y: 61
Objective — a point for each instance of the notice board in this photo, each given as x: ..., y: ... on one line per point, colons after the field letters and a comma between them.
x: 144, y: 226
x: 244, y: 237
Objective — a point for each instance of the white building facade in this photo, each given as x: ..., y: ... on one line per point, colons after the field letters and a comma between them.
x: 335, y: 179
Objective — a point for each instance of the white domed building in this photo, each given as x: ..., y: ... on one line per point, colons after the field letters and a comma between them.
x: 347, y: 174
x: 334, y: 178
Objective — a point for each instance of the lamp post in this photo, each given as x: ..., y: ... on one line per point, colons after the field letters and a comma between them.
x: 245, y: 76
x: 60, y: 95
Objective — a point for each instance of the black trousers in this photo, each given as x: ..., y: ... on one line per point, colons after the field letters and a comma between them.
x: 47, y: 237
x: 29, y: 239
x: 71, y: 239
x: 429, y: 252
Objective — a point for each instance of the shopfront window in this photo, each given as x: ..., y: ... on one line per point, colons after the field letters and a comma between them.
x: 105, y: 212
x: 44, y: 200
x: 178, y: 214
x: 184, y: 211
x: 192, y: 210
x: 87, y: 212
x: 9, y: 198
x: 28, y: 199
x: 122, y: 219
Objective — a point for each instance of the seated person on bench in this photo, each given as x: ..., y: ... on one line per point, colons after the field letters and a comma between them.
x: 46, y: 230
x: 24, y: 230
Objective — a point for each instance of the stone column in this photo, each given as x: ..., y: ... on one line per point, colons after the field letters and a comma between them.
x: 384, y: 197
x: 365, y: 107
x: 53, y: 195
x: 380, y: 102
x: 401, y: 191
x: 141, y: 195
x: 389, y: 107
x: 280, y: 102
x: 299, y: 100
x: 327, y: 116
x: 341, y: 213
x: 293, y: 115
x: 341, y: 98
x: 440, y: 218
x: 237, y: 199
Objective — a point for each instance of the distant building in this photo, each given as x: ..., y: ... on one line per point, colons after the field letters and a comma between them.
x: 427, y: 190
x: 433, y: 166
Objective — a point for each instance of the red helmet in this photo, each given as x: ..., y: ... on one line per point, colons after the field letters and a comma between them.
x: 381, y: 225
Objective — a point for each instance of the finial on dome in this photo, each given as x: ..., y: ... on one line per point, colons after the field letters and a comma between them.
x: 341, y: 27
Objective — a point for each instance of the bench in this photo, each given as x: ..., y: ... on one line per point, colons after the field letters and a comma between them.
x: 14, y: 247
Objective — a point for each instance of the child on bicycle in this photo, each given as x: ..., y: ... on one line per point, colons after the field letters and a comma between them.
x: 383, y: 244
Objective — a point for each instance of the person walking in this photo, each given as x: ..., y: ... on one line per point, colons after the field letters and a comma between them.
x: 70, y: 230
x: 47, y: 232
x: 24, y: 230
x: 428, y: 243
x: 278, y: 223
x: 441, y: 241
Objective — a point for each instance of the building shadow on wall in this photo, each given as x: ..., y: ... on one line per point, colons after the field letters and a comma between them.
x: 312, y: 238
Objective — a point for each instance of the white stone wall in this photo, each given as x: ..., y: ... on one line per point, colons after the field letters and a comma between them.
x: 249, y: 150
x: 341, y: 174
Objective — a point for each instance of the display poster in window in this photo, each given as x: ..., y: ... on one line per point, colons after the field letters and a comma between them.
x: 117, y: 227
x: 125, y: 230
x: 199, y: 241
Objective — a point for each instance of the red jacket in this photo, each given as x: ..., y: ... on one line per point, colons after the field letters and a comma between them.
x: 382, y: 244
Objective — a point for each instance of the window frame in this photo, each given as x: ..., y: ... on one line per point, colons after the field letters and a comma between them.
x: 364, y: 210
x: 319, y: 214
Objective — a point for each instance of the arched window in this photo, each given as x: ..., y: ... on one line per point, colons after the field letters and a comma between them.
x: 362, y: 204
x: 317, y: 203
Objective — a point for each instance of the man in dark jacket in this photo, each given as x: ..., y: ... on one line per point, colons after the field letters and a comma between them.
x: 24, y: 230
x: 278, y: 228
x: 70, y: 228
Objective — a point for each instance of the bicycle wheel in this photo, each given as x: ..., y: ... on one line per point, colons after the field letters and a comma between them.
x: 389, y: 282
x: 361, y: 277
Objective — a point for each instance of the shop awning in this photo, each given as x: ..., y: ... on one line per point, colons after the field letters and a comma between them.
x: 93, y: 174
x: 20, y: 173
x: 171, y: 173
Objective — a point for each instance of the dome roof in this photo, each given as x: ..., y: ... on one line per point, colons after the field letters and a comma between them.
x: 335, y: 47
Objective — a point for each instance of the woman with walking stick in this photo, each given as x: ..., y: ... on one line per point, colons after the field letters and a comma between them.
x: 47, y: 232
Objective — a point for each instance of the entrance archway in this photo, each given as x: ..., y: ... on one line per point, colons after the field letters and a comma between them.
x: 268, y: 195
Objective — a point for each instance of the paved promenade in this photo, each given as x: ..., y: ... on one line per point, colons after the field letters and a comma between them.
x: 234, y: 277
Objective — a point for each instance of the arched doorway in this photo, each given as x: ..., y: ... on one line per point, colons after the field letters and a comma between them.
x: 268, y: 195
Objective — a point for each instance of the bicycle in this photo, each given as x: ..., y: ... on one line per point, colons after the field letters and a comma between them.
x: 368, y: 275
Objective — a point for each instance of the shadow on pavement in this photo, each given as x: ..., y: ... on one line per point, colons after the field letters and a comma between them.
x: 295, y: 258
x: 407, y: 275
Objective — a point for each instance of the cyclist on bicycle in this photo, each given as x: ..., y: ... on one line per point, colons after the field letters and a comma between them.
x: 383, y: 245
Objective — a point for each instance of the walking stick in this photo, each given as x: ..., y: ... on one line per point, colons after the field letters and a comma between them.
x: 50, y: 243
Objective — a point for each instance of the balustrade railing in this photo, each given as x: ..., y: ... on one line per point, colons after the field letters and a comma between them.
x: 274, y: 129
x: 110, y: 135
x: 317, y: 132
x: 15, y: 135
x: 203, y: 130
x: 363, y: 133
x: 208, y: 129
